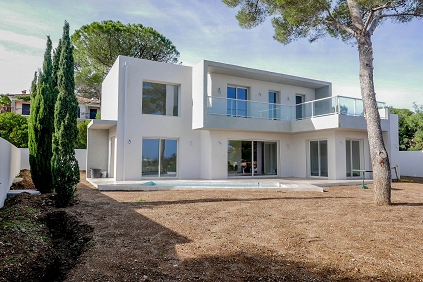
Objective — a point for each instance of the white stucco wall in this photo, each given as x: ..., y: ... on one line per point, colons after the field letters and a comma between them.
x: 133, y: 126
x: 411, y: 163
x: 10, y: 161
x: 4, y: 169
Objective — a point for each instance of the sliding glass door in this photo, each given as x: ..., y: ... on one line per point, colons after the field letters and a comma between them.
x: 319, y: 158
x: 252, y: 158
x: 159, y: 157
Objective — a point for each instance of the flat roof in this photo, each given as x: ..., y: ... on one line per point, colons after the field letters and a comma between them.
x: 256, y: 74
x: 101, y: 124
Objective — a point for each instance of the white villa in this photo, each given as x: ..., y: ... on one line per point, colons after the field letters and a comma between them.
x: 220, y: 121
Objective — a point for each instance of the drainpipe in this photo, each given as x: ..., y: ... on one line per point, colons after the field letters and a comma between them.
x: 124, y: 122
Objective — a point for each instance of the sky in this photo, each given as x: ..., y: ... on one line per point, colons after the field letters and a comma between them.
x: 208, y: 30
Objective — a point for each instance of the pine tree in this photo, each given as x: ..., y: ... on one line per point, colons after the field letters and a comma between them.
x: 64, y: 164
x: 40, y: 126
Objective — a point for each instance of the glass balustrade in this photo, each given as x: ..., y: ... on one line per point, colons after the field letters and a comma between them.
x: 321, y: 107
x: 248, y: 109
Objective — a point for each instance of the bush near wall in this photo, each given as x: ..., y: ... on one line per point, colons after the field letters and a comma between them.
x: 14, y: 128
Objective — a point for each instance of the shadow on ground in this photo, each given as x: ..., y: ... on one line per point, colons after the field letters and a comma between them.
x: 130, y: 247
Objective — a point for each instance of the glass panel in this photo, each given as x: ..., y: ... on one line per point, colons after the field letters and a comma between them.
x: 234, y: 157
x: 168, y: 158
x: 242, y: 105
x: 355, y: 156
x: 231, y: 103
x: 159, y: 99
x: 323, y: 158
x: 272, y: 106
x: 270, y: 159
x: 348, y: 151
x: 299, y: 109
x: 314, y: 158
x: 246, y: 163
x: 150, y: 157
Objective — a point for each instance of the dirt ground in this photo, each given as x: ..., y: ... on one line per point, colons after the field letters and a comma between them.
x: 239, y: 235
x: 247, y: 235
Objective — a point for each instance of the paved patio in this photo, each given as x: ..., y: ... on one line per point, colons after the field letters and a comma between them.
x: 288, y: 184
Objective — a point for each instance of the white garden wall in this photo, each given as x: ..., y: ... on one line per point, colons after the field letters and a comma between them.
x: 411, y: 163
x: 13, y: 159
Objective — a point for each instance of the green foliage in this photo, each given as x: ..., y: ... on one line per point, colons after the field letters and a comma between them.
x: 5, y: 103
x: 64, y: 164
x: 82, y: 134
x: 25, y: 98
x: 410, y: 128
x: 34, y: 86
x: 98, y: 45
x: 14, y: 128
x: 40, y: 127
x: 405, y: 132
x: 293, y: 19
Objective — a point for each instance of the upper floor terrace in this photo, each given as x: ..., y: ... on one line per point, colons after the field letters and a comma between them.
x: 228, y: 97
x: 326, y: 113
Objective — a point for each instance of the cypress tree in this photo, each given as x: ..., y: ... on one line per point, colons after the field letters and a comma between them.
x: 34, y: 86
x: 56, y: 61
x: 40, y: 126
x: 64, y: 164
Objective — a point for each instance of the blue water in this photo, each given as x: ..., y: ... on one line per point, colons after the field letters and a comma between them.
x: 209, y: 184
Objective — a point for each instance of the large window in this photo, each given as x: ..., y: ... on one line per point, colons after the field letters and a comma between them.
x: 159, y: 157
x: 319, y: 158
x: 159, y: 99
x: 252, y: 158
x: 237, y: 101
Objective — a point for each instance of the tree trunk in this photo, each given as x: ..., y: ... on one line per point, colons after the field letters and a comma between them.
x: 378, y: 153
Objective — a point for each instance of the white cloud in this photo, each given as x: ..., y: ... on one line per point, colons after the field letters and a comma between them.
x: 17, y: 70
x: 27, y: 40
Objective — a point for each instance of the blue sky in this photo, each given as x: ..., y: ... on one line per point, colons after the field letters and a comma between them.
x: 208, y: 30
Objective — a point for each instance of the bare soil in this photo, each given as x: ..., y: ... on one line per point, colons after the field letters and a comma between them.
x: 251, y: 235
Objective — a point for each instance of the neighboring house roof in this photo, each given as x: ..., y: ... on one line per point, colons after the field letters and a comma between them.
x: 91, y: 102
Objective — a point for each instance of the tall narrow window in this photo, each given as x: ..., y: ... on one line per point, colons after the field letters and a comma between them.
x: 160, y: 99
x: 159, y: 157
x: 352, y: 148
x: 237, y: 101
x: 272, y: 104
x: 319, y: 158
x: 299, y: 108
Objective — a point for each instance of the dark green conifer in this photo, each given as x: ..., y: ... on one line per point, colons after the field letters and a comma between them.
x: 64, y: 164
x: 40, y: 126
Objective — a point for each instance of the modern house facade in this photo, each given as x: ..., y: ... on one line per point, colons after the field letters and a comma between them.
x: 220, y: 121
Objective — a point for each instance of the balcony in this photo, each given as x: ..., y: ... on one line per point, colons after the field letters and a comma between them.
x: 335, y: 105
x: 248, y: 109
x: 327, y: 113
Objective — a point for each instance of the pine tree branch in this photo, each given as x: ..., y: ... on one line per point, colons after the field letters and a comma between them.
x: 334, y: 21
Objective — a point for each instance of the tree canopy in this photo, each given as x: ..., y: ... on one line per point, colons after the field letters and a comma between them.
x: 351, y: 21
x: 314, y: 19
x: 98, y: 45
x: 410, y: 128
